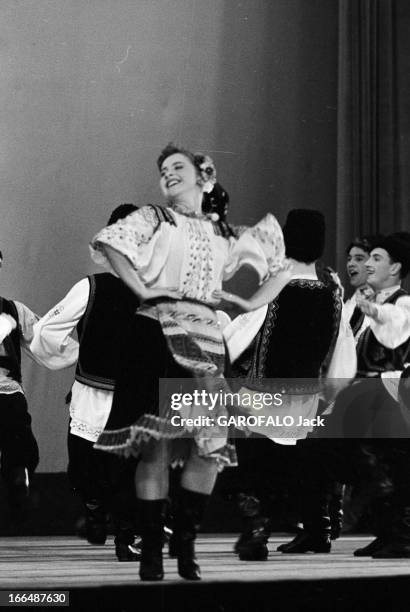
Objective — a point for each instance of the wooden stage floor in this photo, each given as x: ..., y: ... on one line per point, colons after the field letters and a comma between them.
x: 96, y: 580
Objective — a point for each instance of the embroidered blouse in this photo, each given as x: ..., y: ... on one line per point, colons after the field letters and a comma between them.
x: 190, y: 254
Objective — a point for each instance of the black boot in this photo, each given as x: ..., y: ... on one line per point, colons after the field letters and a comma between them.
x: 252, y: 543
x: 151, y: 515
x: 305, y: 542
x: 188, y: 516
x: 382, y: 519
x: 316, y: 522
x: 18, y: 488
x: 336, y: 510
x: 126, y: 549
x: 95, y: 522
x: 398, y: 546
x: 369, y: 550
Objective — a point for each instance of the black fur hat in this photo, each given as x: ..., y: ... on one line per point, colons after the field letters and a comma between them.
x: 304, y: 234
x: 398, y: 247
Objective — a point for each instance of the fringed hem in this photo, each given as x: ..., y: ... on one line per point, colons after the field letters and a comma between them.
x: 128, y: 441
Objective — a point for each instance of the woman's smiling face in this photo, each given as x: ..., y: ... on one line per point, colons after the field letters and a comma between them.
x: 178, y: 176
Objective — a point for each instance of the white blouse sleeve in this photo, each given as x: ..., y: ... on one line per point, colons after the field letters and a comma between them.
x: 262, y: 247
x: 52, y: 344
x: 392, y: 324
x: 131, y: 236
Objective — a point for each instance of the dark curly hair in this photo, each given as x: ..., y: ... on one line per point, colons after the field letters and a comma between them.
x: 363, y: 242
x: 216, y: 201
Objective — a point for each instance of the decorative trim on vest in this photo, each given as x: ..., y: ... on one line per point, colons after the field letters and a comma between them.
x: 81, y: 376
x: 337, y: 315
x: 122, y: 305
x: 263, y: 339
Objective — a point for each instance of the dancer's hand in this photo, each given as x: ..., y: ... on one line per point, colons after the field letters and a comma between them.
x: 224, y: 296
x: 368, y: 308
x: 286, y: 273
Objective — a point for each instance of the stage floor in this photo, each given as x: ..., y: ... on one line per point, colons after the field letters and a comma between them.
x: 93, y: 575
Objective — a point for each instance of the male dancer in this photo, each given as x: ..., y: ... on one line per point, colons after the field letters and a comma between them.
x: 294, y: 342
x: 19, y: 450
x: 99, y: 307
x: 365, y: 409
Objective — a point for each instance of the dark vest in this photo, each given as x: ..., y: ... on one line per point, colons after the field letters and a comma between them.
x: 356, y: 320
x: 373, y: 357
x: 102, y: 330
x: 299, y: 331
x: 12, y: 360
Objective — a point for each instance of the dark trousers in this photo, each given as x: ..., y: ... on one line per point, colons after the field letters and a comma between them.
x: 267, y: 471
x: 390, y: 459
x: 102, y: 477
x: 18, y: 445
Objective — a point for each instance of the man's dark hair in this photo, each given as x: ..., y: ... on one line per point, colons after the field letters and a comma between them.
x: 366, y: 243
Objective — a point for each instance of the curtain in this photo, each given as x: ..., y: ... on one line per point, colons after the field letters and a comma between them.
x: 373, y: 132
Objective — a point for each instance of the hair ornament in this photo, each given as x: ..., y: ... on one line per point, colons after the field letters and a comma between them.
x: 207, y: 170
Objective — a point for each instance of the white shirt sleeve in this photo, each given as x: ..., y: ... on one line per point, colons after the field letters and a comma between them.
x: 349, y: 307
x: 343, y: 363
x: 52, y: 343
x: 392, y: 324
x: 5, y: 326
x: 27, y: 320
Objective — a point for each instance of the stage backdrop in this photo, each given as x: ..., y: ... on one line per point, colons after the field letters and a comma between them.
x: 90, y: 92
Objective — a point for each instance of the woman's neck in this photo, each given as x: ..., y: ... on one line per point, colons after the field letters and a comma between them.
x: 188, y: 204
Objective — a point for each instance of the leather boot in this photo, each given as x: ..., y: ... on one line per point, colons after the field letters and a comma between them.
x: 305, y: 542
x: 398, y: 546
x: 189, y: 513
x: 316, y: 521
x: 95, y: 522
x: 18, y: 488
x: 336, y: 510
x: 369, y: 550
x: 126, y: 549
x: 382, y: 514
x: 151, y: 516
x: 252, y: 543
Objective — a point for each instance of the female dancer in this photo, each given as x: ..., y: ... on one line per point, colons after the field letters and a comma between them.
x: 177, y: 335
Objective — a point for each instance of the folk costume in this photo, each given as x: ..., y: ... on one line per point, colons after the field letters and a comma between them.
x: 370, y: 409
x: 19, y: 450
x: 100, y: 308
x: 383, y: 345
x: 178, y: 339
x: 366, y: 420
x: 290, y: 353
x: 353, y: 312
